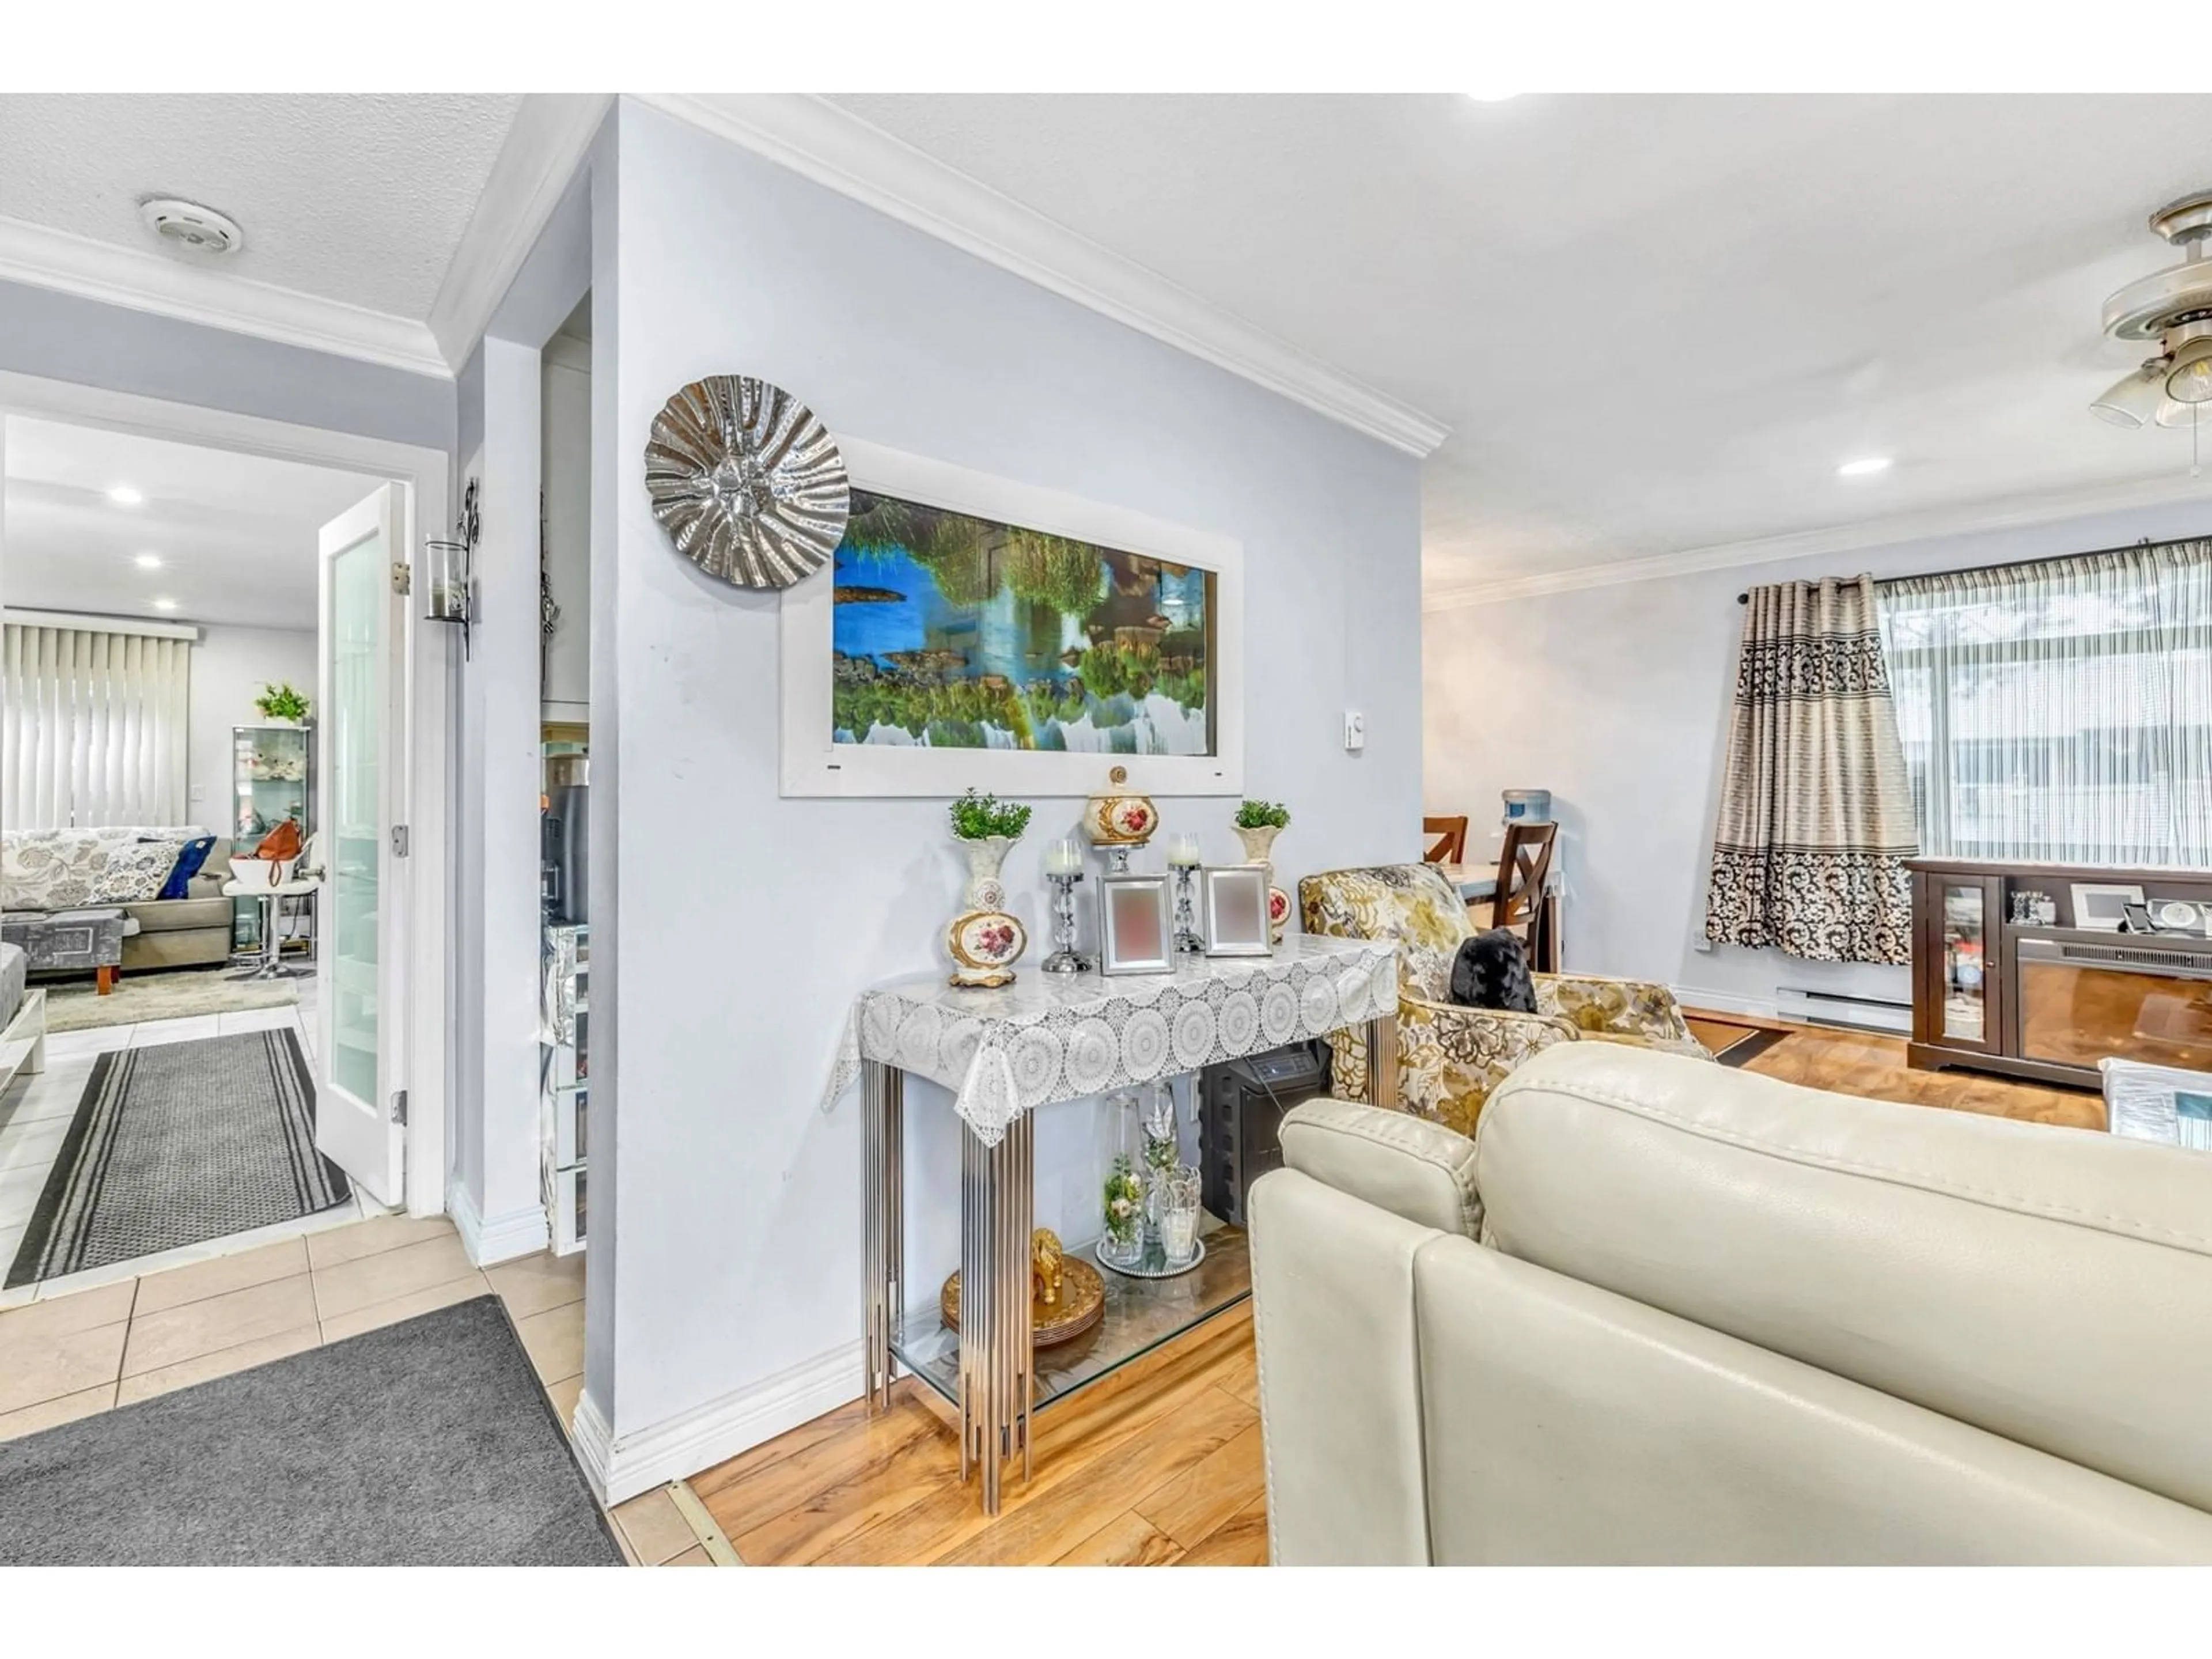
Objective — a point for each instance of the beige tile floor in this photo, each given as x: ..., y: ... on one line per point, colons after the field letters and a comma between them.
x: 69, y: 1356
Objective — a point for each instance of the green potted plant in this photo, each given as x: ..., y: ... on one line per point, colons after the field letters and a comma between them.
x: 282, y: 703
x: 1258, y: 824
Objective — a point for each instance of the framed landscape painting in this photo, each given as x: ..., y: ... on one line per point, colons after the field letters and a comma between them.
x: 973, y: 630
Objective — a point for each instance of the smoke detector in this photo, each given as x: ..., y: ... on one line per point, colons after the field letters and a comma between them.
x: 188, y: 224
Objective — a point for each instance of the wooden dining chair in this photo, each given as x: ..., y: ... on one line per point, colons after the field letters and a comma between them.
x: 1450, y: 845
x: 1523, y: 862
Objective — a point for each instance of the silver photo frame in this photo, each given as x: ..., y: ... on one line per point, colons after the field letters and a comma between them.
x: 2100, y: 907
x: 1135, y: 935
x: 1233, y: 910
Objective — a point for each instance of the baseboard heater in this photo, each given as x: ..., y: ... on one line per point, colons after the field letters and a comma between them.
x: 1855, y: 1013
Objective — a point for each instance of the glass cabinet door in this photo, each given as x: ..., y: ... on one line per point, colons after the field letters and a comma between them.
x: 1965, y: 924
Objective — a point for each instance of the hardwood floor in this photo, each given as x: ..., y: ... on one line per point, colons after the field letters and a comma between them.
x: 1160, y: 1464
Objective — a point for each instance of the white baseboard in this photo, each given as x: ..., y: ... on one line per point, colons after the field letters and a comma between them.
x: 622, y: 1467
x: 1725, y: 1002
x: 517, y: 1233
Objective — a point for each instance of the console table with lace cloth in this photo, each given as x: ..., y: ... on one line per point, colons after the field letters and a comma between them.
x: 1047, y: 1038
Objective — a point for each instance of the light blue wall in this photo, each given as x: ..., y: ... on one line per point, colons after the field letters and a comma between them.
x: 747, y: 922
x: 63, y: 337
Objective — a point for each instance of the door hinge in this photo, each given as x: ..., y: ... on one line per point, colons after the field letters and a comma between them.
x: 399, y: 840
x: 399, y: 1105
x: 403, y: 576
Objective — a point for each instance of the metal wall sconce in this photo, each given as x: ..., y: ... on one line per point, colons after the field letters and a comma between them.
x: 449, y: 571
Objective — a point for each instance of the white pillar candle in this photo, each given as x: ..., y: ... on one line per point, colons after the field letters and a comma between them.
x: 1182, y: 852
x: 1063, y: 858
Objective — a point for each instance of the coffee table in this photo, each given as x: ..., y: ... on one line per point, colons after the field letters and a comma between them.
x: 69, y: 941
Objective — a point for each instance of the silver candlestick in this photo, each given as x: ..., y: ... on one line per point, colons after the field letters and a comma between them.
x: 1065, y: 959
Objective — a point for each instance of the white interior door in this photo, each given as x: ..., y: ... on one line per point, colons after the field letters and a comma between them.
x: 360, y: 1047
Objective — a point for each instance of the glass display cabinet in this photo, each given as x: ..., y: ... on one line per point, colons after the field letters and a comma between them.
x: 272, y: 778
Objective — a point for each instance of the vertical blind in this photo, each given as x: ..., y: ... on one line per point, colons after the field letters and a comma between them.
x: 2060, y: 712
x: 92, y: 728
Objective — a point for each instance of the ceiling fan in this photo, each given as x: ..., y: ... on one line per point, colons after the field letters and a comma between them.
x: 2174, y: 307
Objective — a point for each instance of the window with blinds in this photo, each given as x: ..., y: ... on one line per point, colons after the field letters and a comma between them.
x: 92, y: 726
x: 2060, y: 712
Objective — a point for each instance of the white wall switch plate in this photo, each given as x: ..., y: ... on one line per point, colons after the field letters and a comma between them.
x: 1355, y: 731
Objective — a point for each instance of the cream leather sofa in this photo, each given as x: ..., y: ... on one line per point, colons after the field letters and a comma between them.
x: 1662, y: 1311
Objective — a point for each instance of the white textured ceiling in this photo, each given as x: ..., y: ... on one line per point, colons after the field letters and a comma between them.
x: 1654, y: 324
x: 236, y: 533
x: 357, y: 198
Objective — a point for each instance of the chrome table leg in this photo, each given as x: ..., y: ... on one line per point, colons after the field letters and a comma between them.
x: 995, y: 1386
x: 883, y: 1207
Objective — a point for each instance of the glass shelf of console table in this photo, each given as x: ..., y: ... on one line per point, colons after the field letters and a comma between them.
x: 1141, y: 1316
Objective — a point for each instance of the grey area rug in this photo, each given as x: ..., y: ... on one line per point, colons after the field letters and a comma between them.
x: 179, y: 1143
x: 177, y: 993
x: 425, y: 1443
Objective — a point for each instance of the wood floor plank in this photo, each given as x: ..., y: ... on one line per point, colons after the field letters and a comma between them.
x: 1127, y: 1541
x: 1194, y: 1505
x: 1242, y: 1541
x: 867, y: 1496
x: 739, y: 1508
x: 1049, y: 1526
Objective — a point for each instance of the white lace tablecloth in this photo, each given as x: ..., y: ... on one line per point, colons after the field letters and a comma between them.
x: 1062, y: 1037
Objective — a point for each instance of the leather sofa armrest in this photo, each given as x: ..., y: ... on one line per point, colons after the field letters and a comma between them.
x: 1407, y: 1165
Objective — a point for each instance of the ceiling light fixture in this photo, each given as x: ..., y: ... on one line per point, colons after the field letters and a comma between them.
x: 124, y: 495
x: 165, y: 605
x: 1863, y: 466
x: 148, y: 560
x: 2173, y: 307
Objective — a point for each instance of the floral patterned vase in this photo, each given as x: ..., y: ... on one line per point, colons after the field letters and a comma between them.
x: 1279, y: 912
x: 985, y: 940
x: 1118, y: 820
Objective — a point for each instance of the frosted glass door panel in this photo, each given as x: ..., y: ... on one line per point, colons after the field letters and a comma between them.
x: 358, y: 606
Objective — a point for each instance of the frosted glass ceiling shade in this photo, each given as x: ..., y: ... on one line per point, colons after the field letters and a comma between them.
x: 2189, y: 380
x: 2181, y: 417
x: 2134, y: 400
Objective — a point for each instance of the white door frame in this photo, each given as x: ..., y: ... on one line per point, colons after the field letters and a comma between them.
x: 428, y: 475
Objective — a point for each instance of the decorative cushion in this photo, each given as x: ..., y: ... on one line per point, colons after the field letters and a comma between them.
x: 130, y: 872
x: 194, y: 854
x: 1491, y: 971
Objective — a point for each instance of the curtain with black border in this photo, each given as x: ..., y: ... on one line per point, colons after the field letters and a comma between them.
x: 1816, y: 815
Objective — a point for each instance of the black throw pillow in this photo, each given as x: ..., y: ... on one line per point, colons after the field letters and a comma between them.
x: 1491, y: 971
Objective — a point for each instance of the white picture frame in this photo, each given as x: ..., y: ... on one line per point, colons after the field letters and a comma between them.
x: 2100, y: 907
x: 1136, y: 929
x: 811, y: 762
x: 1233, y: 910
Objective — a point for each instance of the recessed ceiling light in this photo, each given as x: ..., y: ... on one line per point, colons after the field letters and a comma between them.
x: 124, y: 495
x: 1862, y: 466
x: 148, y: 560
x: 165, y: 605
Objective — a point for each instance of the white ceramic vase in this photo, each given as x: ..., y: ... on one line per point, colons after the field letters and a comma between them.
x: 985, y: 940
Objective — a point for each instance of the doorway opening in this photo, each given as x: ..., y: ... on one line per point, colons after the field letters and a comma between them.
x: 203, y: 745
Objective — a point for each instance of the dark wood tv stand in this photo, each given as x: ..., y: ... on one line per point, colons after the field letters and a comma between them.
x: 2046, y: 1001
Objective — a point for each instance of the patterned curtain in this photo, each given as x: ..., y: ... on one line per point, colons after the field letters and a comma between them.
x: 1816, y: 814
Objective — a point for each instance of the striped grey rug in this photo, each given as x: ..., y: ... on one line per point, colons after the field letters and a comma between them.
x: 177, y: 1143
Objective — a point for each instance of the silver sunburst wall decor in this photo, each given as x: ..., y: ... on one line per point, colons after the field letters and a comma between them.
x: 747, y: 481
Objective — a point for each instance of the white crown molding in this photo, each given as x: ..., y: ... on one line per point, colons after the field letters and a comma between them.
x: 2012, y: 513
x: 836, y: 148
x: 551, y: 135
x: 619, y: 1467
x: 44, y: 257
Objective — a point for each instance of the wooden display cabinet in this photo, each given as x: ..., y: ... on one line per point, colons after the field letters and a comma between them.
x: 2048, y: 1000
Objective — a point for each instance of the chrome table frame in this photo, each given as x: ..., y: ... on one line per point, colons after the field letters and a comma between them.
x: 996, y: 1215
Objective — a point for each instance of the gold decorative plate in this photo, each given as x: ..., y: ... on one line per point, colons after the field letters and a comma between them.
x: 1082, y: 1305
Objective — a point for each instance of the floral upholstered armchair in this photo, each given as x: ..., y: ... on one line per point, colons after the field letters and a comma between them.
x: 1449, y: 1057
